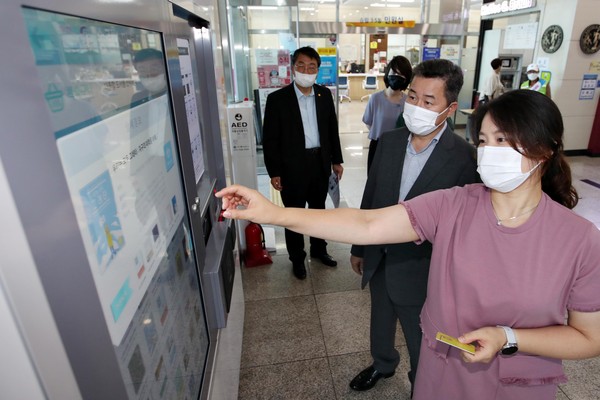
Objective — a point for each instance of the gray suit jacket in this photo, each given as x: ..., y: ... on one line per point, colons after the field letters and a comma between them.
x: 452, y: 163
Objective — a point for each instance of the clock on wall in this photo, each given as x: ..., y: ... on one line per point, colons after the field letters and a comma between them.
x: 552, y: 38
x: 589, y: 41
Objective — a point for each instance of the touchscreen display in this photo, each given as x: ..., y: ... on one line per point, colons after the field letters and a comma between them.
x: 106, y: 89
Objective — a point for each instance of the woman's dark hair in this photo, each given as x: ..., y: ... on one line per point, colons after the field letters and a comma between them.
x: 401, y: 66
x: 496, y: 62
x: 532, y: 122
x: 307, y: 51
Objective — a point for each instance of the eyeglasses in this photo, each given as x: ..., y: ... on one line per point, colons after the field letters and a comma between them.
x: 311, y: 69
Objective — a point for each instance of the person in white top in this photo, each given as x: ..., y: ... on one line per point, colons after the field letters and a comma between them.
x: 493, y: 86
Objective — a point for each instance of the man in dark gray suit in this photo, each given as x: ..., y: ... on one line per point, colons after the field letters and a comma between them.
x: 301, y: 147
x: 424, y: 156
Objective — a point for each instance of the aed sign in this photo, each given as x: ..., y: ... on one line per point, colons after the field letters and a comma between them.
x: 239, y: 124
x: 500, y: 7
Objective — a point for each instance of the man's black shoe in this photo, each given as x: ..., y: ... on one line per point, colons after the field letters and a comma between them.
x: 299, y: 270
x: 367, y: 378
x: 326, y: 259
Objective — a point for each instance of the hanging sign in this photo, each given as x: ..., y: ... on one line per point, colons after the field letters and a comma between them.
x: 501, y: 7
x: 386, y: 22
x: 431, y: 53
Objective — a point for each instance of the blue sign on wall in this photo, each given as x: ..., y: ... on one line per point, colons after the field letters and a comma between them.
x: 327, y: 71
x: 431, y: 53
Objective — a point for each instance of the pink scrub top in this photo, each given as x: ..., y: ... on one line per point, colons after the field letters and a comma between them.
x: 483, y: 274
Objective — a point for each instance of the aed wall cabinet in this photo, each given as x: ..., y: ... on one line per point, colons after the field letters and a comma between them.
x: 110, y: 155
x: 242, y: 147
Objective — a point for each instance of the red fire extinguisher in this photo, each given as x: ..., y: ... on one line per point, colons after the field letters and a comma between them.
x: 256, y: 252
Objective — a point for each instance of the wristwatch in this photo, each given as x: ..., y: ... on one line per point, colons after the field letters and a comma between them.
x: 511, y: 341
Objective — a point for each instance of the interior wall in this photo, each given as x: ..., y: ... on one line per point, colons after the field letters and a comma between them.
x: 568, y: 65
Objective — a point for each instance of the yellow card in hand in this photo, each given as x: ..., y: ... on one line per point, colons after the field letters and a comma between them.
x: 452, y: 341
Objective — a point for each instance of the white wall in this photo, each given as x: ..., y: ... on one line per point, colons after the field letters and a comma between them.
x: 568, y: 65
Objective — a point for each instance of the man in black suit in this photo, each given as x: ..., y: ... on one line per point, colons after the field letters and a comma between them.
x: 422, y: 157
x: 301, y: 146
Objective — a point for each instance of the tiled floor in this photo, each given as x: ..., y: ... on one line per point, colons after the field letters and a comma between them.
x: 307, y: 339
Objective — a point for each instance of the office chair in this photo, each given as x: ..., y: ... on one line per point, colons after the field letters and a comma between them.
x: 344, y: 87
x: 369, y: 83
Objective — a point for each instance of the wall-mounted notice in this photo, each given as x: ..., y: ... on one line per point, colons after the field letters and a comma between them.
x: 450, y: 52
x: 327, y: 74
x: 588, y: 87
x: 273, y: 68
x: 594, y: 66
x: 431, y: 53
x: 191, y: 106
x: 520, y: 36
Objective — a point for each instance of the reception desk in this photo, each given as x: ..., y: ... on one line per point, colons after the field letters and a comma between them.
x: 355, y: 89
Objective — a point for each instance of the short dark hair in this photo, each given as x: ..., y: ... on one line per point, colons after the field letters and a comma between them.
x: 147, y: 54
x: 496, y: 62
x: 307, y: 51
x: 446, y: 70
x: 400, y: 65
x: 534, y: 127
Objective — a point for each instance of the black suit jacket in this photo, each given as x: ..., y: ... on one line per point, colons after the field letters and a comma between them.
x: 452, y: 163
x: 283, y: 134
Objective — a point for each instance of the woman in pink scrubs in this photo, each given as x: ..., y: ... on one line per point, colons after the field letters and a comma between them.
x: 514, y: 271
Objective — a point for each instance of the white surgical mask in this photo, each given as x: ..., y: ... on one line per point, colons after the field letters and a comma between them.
x: 419, y: 120
x: 500, y: 168
x: 533, y: 76
x: 305, y: 80
x: 154, y: 84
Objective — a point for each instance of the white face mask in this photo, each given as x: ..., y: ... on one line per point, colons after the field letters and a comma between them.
x: 305, y: 80
x: 500, y: 168
x: 154, y: 84
x: 421, y: 121
x: 533, y: 76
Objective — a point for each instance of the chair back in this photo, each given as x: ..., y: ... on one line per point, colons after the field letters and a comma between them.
x: 370, y: 82
x: 343, y: 82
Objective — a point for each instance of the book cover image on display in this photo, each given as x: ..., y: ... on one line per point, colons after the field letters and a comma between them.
x: 103, y: 220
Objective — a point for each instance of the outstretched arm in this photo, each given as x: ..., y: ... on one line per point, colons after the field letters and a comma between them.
x: 347, y: 225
